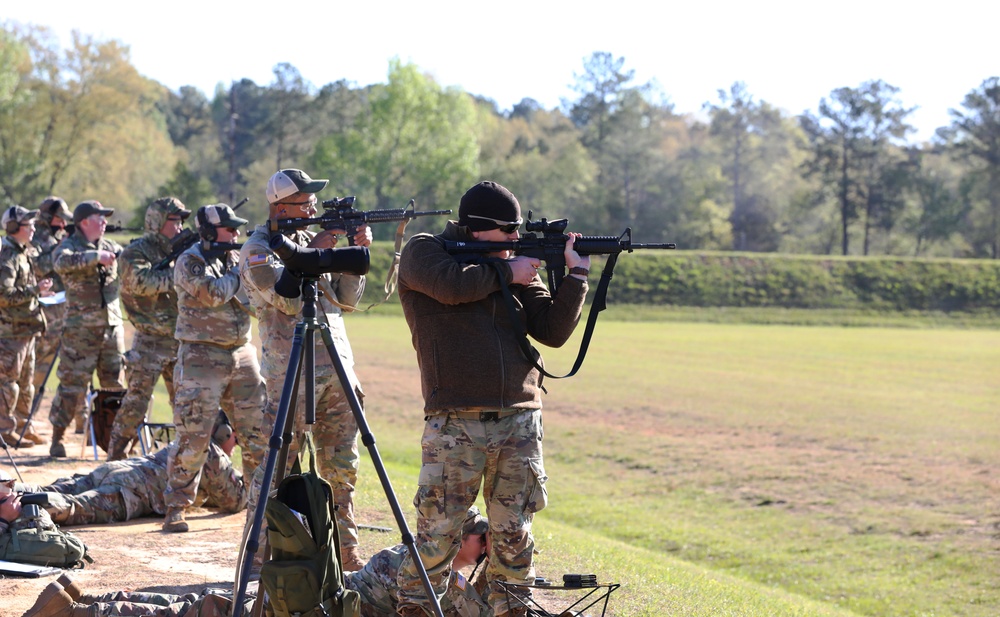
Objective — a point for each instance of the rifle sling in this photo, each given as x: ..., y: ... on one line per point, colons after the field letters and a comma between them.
x: 598, y: 305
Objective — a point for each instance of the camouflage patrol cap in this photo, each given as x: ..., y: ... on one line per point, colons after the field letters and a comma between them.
x: 171, y: 205
x: 52, y: 207
x: 475, y: 524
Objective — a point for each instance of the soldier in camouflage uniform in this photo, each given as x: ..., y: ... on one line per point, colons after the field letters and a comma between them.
x: 291, y: 194
x: 377, y: 585
x: 21, y: 317
x: 93, y: 335
x: 482, y: 396
x: 216, y: 363
x: 132, y: 488
x: 149, y: 297
x: 53, y: 216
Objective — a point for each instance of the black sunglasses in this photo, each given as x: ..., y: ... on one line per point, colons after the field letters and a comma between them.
x: 507, y: 227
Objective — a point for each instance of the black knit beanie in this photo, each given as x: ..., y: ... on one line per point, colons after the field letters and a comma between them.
x: 490, y: 200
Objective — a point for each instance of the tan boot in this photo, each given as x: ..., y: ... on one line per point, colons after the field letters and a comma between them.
x: 57, y: 450
x: 70, y: 587
x: 55, y: 602
x: 174, y: 521
x: 350, y: 559
x: 32, y: 435
x: 11, y: 440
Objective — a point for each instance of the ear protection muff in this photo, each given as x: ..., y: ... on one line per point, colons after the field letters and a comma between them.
x: 206, y: 229
x: 12, y: 225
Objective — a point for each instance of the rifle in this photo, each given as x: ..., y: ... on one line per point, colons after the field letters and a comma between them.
x: 549, y: 247
x: 340, y: 214
x: 185, y: 240
x: 110, y: 229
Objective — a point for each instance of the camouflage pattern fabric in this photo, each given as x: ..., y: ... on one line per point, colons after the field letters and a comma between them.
x: 132, y: 488
x: 45, y: 243
x: 151, y: 356
x: 20, y: 319
x: 208, y: 310
x: 83, y: 351
x: 17, y: 364
x: 335, y: 432
x: 460, y: 454
x: 93, y: 337
x: 91, y: 289
x: 210, y: 603
x: 376, y: 583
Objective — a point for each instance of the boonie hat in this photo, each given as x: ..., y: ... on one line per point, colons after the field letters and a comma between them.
x: 485, y: 204
x: 290, y: 181
x: 16, y: 213
x: 219, y: 215
x: 474, y: 524
x: 53, y: 206
x: 88, y: 208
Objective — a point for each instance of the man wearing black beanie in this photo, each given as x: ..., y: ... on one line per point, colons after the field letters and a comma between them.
x: 482, y: 397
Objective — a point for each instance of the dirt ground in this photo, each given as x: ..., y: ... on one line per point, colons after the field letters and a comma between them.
x: 134, y: 555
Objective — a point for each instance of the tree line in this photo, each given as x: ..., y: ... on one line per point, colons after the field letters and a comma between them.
x: 82, y: 123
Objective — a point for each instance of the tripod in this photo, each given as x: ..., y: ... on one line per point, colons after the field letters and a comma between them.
x: 302, y: 359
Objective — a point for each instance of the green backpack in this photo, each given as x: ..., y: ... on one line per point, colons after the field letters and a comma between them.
x: 304, y: 576
x: 37, y: 541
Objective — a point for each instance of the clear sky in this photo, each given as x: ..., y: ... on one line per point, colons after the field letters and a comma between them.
x: 789, y: 53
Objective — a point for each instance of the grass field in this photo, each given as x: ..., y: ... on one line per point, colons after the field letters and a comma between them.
x: 735, y: 469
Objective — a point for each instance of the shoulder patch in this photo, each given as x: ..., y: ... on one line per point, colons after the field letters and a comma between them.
x: 257, y: 259
x: 195, y: 267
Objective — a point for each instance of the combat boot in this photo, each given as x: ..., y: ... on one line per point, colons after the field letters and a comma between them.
x: 70, y: 587
x: 11, y: 440
x: 57, y: 450
x: 32, y: 435
x: 54, y: 601
x: 174, y: 521
x: 350, y: 559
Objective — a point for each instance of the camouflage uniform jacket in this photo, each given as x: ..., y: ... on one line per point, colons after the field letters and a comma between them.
x: 147, y: 293
x: 20, y: 312
x: 208, y: 310
x: 376, y: 583
x: 45, y: 245
x: 467, y: 347
x: 260, y: 269
x: 91, y: 289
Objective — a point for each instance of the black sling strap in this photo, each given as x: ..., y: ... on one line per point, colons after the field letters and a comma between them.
x: 599, y: 304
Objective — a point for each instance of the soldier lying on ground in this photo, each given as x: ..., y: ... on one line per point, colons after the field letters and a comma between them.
x: 124, y: 490
x: 376, y: 583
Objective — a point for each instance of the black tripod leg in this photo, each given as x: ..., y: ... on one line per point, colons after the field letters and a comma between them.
x: 6, y: 449
x: 275, y: 444
x: 369, y: 441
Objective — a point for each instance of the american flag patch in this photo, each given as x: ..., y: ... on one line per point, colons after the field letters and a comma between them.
x: 257, y: 259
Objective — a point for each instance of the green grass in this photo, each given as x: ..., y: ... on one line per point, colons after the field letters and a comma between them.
x: 746, y: 469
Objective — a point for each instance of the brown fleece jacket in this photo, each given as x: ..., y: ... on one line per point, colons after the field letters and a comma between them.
x: 467, y: 349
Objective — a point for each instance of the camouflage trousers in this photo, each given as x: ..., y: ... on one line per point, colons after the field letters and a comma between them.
x: 458, y: 455
x: 103, y: 504
x: 112, y: 492
x: 85, y: 350
x: 208, y: 377
x: 17, y: 365
x: 136, y: 604
x: 47, y: 343
x: 151, y: 356
x: 335, y: 434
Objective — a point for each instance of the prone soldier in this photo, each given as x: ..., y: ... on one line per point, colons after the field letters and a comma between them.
x: 149, y: 297
x: 132, y: 488
x: 21, y: 317
x: 50, y: 230
x: 291, y: 193
x: 216, y: 363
